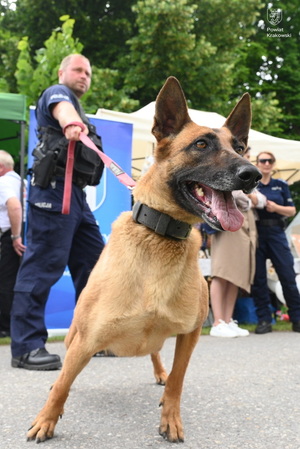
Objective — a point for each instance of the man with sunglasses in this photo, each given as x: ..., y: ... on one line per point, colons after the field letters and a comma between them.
x: 273, y: 245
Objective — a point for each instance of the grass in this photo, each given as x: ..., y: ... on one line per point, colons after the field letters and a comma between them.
x: 279, y: 326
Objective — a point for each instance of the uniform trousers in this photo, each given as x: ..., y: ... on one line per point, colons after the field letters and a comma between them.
x: 273, y: 245
x: 54, y: 241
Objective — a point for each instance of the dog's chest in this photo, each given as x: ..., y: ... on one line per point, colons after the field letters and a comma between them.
x: 144, y: 332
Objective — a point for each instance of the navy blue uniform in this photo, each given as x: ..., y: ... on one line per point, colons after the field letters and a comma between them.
x: 273, y: 245
x: 53, y: 241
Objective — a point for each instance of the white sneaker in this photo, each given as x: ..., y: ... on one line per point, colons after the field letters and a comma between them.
x: 233, y: 325
x: 222, y: 330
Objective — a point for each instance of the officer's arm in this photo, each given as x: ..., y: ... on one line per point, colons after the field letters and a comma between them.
x: 286, y: 211
x: 14, y: 211
x: 65, y: 113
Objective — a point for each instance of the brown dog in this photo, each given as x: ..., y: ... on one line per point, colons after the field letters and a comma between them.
x: 146, y: 285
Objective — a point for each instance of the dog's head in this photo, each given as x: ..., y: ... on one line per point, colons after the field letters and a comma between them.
x: 205, y: 164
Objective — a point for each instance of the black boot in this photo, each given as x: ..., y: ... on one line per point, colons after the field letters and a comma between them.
x: 263, y: 327
x: 39, y: 360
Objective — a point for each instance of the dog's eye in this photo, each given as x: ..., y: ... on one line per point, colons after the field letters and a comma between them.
x: 240, y: 150
x: 201, y: 144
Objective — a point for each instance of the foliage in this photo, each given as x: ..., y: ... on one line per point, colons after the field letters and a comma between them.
x: 105, y: 93
x: 164, y: 45
x: 218, y: 49
x: 9, y: 54
x: 266, y: 113
x: 295, y: 192
x: 103, y: 26
x: 32, y: 80
x: 273, y: 65
x: 227, y: 26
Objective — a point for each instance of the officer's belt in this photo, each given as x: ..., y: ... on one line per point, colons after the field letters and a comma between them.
x: 271, y: 222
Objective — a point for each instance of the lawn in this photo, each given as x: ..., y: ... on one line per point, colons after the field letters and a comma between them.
x: 280, y: 326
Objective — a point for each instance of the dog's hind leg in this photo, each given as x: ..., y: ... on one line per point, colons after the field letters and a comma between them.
x: 171, y: 425
x: 160, y: 373
x: 77, y: 357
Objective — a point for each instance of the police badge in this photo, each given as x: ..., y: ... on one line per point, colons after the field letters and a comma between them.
x: 274, y: 16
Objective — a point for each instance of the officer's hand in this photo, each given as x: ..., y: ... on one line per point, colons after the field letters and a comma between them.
x: 18, y: 246
x: 271, y: 206
x: 72, y: 132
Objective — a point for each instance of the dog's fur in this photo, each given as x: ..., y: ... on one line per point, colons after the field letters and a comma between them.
x: 145, y: 286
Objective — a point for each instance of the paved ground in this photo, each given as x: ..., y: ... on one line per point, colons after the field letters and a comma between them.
x: 241, y: 393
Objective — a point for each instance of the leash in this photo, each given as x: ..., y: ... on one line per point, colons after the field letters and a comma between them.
x: 108, y: 162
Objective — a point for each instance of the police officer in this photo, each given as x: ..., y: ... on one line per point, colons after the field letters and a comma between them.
x: 55, y: 240
x: 273, y: 245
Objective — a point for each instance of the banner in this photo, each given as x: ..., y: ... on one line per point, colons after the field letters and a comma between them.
x: 107, y: 201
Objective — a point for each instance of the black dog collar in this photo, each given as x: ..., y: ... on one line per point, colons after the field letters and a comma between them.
x: 160, y: 223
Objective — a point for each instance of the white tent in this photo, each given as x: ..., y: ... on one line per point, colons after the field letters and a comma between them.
x: 287, y: 152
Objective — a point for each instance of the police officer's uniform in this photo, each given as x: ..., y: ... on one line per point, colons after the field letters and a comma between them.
x: 273, y: 245
x: 53, y: 240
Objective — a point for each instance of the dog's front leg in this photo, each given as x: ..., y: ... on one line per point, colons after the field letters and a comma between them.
x: 171, y: 425
x: 43, y: 426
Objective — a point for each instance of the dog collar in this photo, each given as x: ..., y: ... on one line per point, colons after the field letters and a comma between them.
x: 160, y: 223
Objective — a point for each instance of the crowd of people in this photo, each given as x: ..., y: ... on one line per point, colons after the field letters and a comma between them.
x: 54, y: 240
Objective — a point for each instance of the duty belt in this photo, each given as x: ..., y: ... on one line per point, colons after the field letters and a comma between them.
x: 271, y: 222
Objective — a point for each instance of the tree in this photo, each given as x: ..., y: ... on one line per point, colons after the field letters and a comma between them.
x: 103, y: 26
x: 202, y: 49
x: 32, y: 78
x: 165, y: 44
x: 217, y: 48
x: 227, y: 25
x: 273, y: 61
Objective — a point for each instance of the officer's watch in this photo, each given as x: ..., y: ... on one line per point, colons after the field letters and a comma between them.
x: 15, y: 237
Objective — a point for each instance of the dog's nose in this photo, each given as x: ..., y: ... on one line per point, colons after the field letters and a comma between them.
x: 249, y: 175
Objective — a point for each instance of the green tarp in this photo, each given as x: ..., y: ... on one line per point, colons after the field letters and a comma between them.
x: 12, y: 124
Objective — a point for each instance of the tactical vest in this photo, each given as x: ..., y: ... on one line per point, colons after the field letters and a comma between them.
x: 51, y: 155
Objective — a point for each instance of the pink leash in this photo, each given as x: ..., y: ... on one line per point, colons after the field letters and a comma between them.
x: 108, y: 162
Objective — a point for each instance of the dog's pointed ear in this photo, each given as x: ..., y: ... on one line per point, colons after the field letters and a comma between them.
x: 239, y: 120
x: 171, y: 112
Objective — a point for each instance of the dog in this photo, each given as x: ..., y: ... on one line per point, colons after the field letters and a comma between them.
x: 147, y: 285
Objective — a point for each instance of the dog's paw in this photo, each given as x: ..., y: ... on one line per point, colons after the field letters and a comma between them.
x: 42, y: 429
x: 167, y: 435
x: 161, y: 378
x: 171, y: 428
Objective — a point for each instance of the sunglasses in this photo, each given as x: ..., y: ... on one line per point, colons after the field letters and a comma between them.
x: 264, y: 161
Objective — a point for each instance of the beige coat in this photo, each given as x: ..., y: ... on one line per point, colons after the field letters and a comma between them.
x: 233, y: 253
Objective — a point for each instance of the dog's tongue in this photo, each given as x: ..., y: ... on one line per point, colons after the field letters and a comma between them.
x: 224, y: 208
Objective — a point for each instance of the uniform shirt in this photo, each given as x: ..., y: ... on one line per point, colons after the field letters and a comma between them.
x: 51, y: 96
x: 10, y: 185
x: 277, y: 191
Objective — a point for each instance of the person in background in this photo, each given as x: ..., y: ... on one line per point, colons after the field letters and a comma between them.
x: 232, y: 267
x: 55, y: 240
x: 273, y: 245
x: 11, y: 246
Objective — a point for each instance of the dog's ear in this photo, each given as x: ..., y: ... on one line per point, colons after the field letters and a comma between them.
x: 171, y: 112
x: 239, y: 120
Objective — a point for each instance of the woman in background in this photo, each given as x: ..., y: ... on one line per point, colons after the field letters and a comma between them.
x: 273, y: 245
x: 232, y: 267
